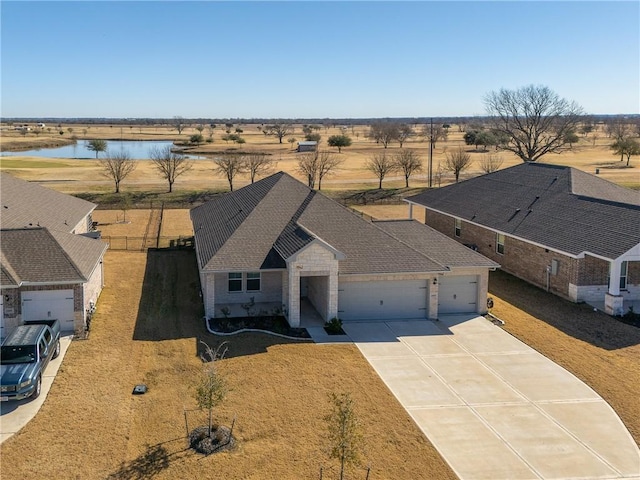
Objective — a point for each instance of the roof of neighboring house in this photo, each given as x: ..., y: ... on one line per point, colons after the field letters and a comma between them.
x: 436, y: 245
x: 38, y: 255
x: 265, y: 223
x: 27, y: 204
x: 555, y: 206
x: 308, y: 142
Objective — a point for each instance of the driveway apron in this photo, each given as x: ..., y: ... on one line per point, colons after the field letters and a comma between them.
x: 494, y: 407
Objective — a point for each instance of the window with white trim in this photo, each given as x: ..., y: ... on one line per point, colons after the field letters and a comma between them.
x: 235, y: 282
x: 253, y: 281
x: 500, y: 243
x: 458, y: 227
x: 624, y: 271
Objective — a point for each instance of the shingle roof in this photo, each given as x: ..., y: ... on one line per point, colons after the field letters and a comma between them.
x: 434, y: 244
x: 27, y: 204
x: 37, y: 255
x: 559, y: 207
x: 261, y: 225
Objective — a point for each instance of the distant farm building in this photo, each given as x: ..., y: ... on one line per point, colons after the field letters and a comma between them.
x: 307, y: 146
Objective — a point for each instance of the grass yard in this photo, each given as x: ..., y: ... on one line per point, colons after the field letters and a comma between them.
x: 599, y: 350
x: 147, y: 329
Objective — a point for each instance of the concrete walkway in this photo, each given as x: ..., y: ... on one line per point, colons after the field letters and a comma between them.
x: 15, y: 415
x: 492, y: 406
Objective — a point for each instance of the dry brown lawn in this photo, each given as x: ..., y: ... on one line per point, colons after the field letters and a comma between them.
x: 175, y: 223
x: 84, y: 175
x: 117, y: 223
x: 147, y: 329
x: 601, y: 351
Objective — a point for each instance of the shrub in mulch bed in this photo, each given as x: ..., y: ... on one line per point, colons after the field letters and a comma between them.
x: 276, y: 324
x: 631, y: 318
x: 220, y: 440
x: 334, y: 327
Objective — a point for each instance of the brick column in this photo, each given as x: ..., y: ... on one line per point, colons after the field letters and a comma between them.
x: 294, y: 296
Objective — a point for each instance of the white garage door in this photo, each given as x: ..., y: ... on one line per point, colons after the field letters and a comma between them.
x: 49, y: 305
x: 382, y: 300
x: 458, y: 294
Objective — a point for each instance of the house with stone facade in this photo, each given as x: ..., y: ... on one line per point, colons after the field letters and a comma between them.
x: 277, y: 244
x: 562, y: 229
x: 50, y: 267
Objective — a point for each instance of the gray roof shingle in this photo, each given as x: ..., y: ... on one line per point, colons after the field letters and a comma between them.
x: 37, y: 255
x: 559, y: 207
x: 27, y: 204
x: 261, y: 225
x: 434, y: 244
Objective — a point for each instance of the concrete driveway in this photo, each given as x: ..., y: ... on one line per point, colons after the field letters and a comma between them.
x: 492, y: 406
x: 15, y: 415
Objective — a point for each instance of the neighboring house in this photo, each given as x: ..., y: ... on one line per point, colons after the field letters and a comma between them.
x: 556, y: 227
x: 50, y: 268
x: 308, y: 146
x: 280, y: 243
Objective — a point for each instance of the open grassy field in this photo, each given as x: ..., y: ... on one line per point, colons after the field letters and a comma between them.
x: 84, y: 175
x: 148, y: 328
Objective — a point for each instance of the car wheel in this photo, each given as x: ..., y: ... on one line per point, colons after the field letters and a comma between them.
x: 57, y: 350
x: 36, y: 392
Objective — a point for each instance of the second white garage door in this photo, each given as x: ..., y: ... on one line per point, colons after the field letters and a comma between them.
x: 49, y: 305
x: 458, y: 294
x: 382, y: 300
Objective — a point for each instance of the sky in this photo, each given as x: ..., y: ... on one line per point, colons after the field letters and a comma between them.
x: 304, y: 59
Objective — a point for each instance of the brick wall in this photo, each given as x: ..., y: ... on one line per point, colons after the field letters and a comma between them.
x: 521, y: 259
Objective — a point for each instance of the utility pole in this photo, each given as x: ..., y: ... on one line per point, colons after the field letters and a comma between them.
x: 431, y: 155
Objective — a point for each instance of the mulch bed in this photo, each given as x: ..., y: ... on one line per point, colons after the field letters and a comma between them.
x: 220, y: 440
x: 275, y: 324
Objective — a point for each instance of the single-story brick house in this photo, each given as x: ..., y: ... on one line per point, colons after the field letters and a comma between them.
x: 281, y: 243
x: 50, y: 267
x: 556, y: 227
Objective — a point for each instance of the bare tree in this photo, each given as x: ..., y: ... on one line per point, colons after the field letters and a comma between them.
x: 229, y: 166
x: 258, y: 164
x: 179, y: 124
x: 535, y: 119
x: 408, y: 162
x: 211, y: 388
x: 380, y: 165
x: 438, y: 133
x: 346, y: 441
x: 326, y: 163
x: 170, y: 165
x: 383, y: 132
x: 308, y: 166
x: 490, y: 162
x: 457, y: 161
x: 617, y: 128
x: 117, y: 165
x: 279, y: 130
x: 404, y: 133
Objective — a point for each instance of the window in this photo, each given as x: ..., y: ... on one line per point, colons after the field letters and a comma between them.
x: 624, y: 270
x: 253, y: 281
x: 458, y: 227
x: 235, y: 282
x: 500, y: 243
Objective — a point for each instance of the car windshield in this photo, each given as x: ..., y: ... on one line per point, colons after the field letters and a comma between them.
x: 10, y: 355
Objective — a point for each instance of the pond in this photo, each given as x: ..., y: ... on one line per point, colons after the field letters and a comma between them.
x: 137, y: 150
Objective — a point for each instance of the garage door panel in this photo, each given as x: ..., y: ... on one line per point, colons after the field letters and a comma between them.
x: 458, y: 294
x: 49, y: 305
x: 382, y: 300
